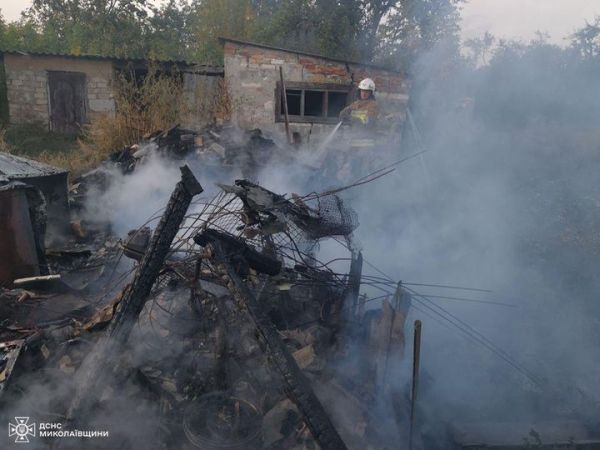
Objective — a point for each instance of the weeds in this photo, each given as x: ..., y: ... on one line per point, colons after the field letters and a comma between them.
x: 4, y: 147
x: 143, y: 106
x: 34, y: 141
x: 216, y: 106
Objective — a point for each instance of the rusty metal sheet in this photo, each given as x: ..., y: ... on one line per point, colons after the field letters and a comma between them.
x: 16, y: 167
x: 51, y: 181
x: 19, y: 254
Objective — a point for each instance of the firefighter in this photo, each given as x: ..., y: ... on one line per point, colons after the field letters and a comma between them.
x: 363, y: 111
x: 362, y: 116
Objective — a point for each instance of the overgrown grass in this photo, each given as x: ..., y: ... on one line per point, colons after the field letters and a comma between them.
x: 3, y: 94
x: 32, y: 140
x: 36, y: 142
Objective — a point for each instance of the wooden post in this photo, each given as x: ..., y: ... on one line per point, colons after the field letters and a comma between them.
x: 285, y: 106
x: 415, y: 381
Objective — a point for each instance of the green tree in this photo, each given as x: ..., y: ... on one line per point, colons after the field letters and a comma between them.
x: 415, y: 27
x: 587, y: 40
x: 170, y: 33
x: 342, y: 28
x: 21, y: 35
x: 211, y: 19
x: 393, y: 32
x: 389, y: 31
x: 106, y: 27
x: 480, y: 49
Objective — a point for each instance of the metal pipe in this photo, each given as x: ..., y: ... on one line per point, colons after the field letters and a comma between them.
x: 285, y: 106
x: 415, y: 381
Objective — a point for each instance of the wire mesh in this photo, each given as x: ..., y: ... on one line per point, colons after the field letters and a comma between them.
x: 287, y: 229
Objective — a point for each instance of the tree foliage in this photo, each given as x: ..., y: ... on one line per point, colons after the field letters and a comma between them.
x: 415, y: 27
x: 388, y: 31
x: 587, y: 40
x: 114, y: 27
x: 168, y: 33
x: 211, y: 19
x: 322, y: 26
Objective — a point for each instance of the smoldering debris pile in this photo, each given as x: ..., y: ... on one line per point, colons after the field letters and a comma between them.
x: 220, y: 146
x: 213, y: 325
x: 218, y: 329
x: 223, y: 150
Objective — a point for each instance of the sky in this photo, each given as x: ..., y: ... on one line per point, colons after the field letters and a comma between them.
x: 512, y: 19
x: 520, y: 19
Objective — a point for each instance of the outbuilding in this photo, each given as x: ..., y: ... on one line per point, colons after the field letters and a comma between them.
x: 317, y: 87
x: 66, y: 91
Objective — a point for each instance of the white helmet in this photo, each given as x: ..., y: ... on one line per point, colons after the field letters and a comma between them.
x: 367, y: 85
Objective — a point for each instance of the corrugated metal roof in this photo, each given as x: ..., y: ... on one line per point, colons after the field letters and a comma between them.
x: 186, y: 64
x: 89, y: 56
x: 313, y: 55
x: 15, y: 168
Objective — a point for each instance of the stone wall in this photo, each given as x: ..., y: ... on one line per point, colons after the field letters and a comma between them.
x: 27, y: 85
x: 252, y: 73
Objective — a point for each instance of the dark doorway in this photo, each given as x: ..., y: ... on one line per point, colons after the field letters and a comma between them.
x: 67, y: 101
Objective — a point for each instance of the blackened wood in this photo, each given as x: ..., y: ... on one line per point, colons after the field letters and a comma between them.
x: 298, y: 387
x: 97, y: 366
x: 258, y: 261
x: 155, y: 255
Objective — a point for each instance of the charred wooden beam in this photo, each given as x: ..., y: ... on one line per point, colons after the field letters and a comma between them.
x: 232, y: 245
x: 298, y: 387
x: 154, y: 258
x: 94, y: 367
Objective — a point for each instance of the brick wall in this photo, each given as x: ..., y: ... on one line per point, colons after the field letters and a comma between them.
x: 27, y: 85
x: 252, y: 73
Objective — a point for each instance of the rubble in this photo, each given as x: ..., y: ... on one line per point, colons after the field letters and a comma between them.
x: 297, y: 385
x: 221, y: 321
x: 132, y: 303
x: 220, y: 147
x: 219, y: 328
x: 9, y: 352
